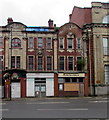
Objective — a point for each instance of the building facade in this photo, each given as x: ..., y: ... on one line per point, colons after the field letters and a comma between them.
x: 95, y: 27
x: 71, y: 60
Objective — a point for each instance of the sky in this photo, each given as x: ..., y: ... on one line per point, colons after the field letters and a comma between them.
x: 38, y: 12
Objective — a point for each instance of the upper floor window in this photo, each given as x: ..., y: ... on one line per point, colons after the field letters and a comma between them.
x: 61, y: 43
x: 61, y: 64
x: 78, y: 43
x: 70, y: 63
x: 15, y: 61
x: 40, y: 63
x: 1, y: 42
x: 106, y: 72
x: 70, y: 43
x: 40, y: 42
x: 49, y: 43
x: 30, y: 42
x: 1, y: 62
x: 106, y: 46
x: 30, y: 62
x: 106, y: 19
x: 16, y: 43
x: 49, y: 63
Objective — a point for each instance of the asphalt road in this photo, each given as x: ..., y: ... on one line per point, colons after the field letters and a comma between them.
x: 56, y: 108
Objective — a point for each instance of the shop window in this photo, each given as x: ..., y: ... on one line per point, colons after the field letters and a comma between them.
x: 106, y: 46
x: 70, y: 63
x: 40, y: 42
x: 61, y: 63
x: 30, y: 62
x: 40, y: 63
x: 16, y: 43
x: 49, y: 43
x: 31, y: 42
x: 60, y: 87
x: 80, y: 80
x: 67, y: 80
x: 61, y: 43
x: 60, y: 80
x: 106, y: 73
x: 49, y: 63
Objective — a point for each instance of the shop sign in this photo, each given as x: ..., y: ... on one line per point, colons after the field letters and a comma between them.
x: 71, y: 75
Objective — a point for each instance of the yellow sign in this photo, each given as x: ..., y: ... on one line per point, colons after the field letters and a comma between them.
x: 71, y: 75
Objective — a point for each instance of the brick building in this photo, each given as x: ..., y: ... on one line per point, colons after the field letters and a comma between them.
x: 71, y: 60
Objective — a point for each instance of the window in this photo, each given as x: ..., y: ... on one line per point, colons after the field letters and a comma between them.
x: 70, y: 42
x: 49, y: 63
x: 18, y: 62
x: 70, y: 63
x: 15, y: 61
x: 106, y: 72
x: 60, y: 80
x: 1, y: 62
x: 31, y: 42
x: 106, y: 46
x: 16, y: 43
x: 79, y: 63
x: 106, y: 19
x: 61, y: 63
x: 40, y: 42
x: 60, y: 87
x: 30, y: 62
x: 40, y: 63
x: 1, y: 42
x: 61, y: 43
x: 48, y: 43
x: 78, y: 43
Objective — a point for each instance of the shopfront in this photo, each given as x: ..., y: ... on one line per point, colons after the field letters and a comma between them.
x: 40, y: 84
x: 71, y: 84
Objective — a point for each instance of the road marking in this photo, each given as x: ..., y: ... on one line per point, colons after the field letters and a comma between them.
x: 75, y: 109
x: 104, y: 101
x: 49, y: 103
x: 2, y: 103
x: 3, y: 109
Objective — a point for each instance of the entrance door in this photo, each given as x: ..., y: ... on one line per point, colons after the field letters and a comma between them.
x: 15, y: 90
x: 40, y: 87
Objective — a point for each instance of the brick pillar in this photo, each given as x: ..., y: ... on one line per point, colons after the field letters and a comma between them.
x: 55, y: 84
x: 86, y: 85
x: 7, y: 88
x: 23, y: 87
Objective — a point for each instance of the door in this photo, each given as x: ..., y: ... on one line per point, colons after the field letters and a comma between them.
x: 40, y: 87
x: 15, y: 90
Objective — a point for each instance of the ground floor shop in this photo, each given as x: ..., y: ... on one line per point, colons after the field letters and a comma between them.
x: 14, y: 83
x: 71, y: 84
x: 40, y: 84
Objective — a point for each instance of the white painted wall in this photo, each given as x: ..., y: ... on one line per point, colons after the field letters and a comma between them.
x: 50, y: 87
x: 30, y: 87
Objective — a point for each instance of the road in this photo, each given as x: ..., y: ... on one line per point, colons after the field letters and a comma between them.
x: 90, y: 107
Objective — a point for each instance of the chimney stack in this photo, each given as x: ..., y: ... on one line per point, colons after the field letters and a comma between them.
x: 50, y: 23
x: 9, y: 20
x: 70, y: 17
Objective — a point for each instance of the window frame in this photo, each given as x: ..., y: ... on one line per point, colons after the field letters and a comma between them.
x: 62, y: 62
x: 70, y: 62
x: 49, y: 42
x: 40, y: 42
x: 15, y: 44
x: 32, y: 63
x: 30, y: 42
x: 48, y: 64
x: 61, y: 43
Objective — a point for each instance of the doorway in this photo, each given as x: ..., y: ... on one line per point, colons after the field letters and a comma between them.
x: 40, y: 87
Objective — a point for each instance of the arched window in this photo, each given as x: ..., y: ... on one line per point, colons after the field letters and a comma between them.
x: 106, y: 19
x: 16, y: 43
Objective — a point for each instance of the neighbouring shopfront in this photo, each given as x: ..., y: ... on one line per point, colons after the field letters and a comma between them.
x: 72, y: 84
x: 14, y: 83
